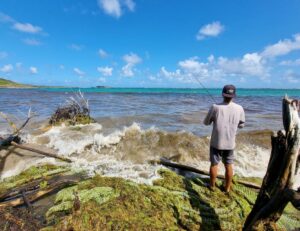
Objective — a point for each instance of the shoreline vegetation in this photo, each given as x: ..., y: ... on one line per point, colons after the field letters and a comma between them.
x: 8, y: 84
x: 4, y: 83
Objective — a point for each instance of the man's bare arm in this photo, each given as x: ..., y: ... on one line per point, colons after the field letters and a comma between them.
x: 209, y: 117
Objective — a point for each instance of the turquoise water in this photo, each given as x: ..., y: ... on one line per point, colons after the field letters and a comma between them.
x: 212, y: 91
x: 169, y: 109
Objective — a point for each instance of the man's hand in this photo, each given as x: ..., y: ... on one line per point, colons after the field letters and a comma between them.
x: 241, y: 124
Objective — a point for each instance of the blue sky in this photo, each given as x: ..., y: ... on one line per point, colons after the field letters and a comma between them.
x: 151, y: 43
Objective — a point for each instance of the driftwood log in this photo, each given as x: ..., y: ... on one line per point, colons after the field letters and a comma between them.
x: 277, y: 187
x: 32, y: 191
x: 167, y: 163
x: 15, y: 140
x: 53, y: 155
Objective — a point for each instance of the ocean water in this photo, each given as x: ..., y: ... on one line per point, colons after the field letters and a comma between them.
x: 136, y: 125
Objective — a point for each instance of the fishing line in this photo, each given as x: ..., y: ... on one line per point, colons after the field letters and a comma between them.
x: 213, y: 99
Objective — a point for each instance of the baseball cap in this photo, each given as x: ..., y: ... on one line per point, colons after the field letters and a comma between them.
x: 229, y: 91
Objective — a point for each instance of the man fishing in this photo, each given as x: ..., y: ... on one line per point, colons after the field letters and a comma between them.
x: 226, y: 117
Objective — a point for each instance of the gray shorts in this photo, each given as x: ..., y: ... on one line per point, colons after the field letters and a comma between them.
x: 216, y: 154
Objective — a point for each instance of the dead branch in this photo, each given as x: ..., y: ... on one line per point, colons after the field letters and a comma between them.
x: 27, y: 202
x: 15, y: 140
x: 29, y: 117
x: 10, y: 123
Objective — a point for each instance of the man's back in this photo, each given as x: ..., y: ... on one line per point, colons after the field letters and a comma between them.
x: 226, y: 118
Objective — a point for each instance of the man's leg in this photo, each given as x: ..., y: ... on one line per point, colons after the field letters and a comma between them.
x: 228, y: 177
x: 214, y: 157
x: 213, y: 172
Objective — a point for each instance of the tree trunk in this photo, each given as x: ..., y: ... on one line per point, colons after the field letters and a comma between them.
x: 276, y: 190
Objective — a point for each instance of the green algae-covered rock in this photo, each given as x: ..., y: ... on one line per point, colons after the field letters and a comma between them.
x: 65, y: 198
x: 30, y: 174
x: 171, y: 203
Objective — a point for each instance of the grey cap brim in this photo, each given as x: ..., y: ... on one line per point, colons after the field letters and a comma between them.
x: 229, y: 95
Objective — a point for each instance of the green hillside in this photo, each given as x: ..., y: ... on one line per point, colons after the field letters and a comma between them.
x: 4, y: 83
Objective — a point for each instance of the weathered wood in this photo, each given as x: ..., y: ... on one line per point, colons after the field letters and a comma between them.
x: 31, y: 185
x: 294, y: 197
x: 14, y: 139
x: 167, y: 163
x: 34, y: 187
x: 33, y: 193
x: 40, y: 193
x: 27, y: 202
x: 41, y: 152
x: 276, y: 190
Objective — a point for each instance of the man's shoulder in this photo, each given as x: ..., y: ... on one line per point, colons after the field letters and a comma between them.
x: 237, y: 106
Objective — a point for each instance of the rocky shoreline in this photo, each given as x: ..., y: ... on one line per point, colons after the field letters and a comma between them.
x: 173, y: 202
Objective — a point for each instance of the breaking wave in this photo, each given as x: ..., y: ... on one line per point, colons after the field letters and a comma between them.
x: 126, y: 152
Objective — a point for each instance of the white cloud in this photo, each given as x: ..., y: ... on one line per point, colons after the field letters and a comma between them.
x: 111, y: 7
x: 102, y: 80
x: 127, y: 70
x: 170, y: 75
x: 252, y: 64
x: 27, y: 28
x: 192, y: 70
x: 193, y: 66
x: 292, y: 77
x: 130, y: 4
x: 6, y: 18
x: 76, y: 47
x: 115, y: 7
x: 33, y: 70
x: 255, y: 64
x: 131, y: 60
x: 7, y: 68
x: 102, y: 53
x: 282, y: 47
x: 32, y: 42
x: 210, y: 30
x: 3, y: 54
x: 19, y: 65
x: 78, y: 72
x: 154, y: 78
x: 105, y: 71
x: 290, y: 62
x: 211, y: 58
x: 22, y: 27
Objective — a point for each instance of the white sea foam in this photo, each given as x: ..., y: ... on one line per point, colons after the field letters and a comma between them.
x: 126, y: 152
x: 251, y: 161
x: 85, y: 144
x: 23, y: 165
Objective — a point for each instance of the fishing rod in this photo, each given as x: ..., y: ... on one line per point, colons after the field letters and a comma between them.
x: 213, y: 99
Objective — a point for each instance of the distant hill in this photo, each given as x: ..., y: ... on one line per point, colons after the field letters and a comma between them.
x: 4, y: 83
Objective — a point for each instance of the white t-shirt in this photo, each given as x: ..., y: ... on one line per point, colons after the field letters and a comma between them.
x: 226, y: 118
